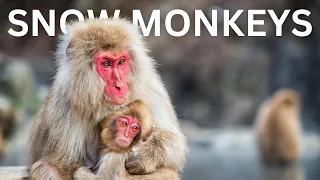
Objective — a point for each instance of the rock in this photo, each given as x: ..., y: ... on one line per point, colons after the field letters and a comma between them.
x: 13, y: 172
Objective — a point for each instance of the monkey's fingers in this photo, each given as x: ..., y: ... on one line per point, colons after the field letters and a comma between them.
x: 134, y: 167
x: 137, y: 165
x: 132, y: 157
x: 133, y: 164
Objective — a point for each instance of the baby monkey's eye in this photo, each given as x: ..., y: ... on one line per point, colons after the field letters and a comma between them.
x: 123, y: 123
x: 135, y: 128
x: 105, y: 64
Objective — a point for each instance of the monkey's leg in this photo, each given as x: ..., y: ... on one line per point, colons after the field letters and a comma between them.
x: 163, y: 174
x: 84, y: 173
x: 44, y: 170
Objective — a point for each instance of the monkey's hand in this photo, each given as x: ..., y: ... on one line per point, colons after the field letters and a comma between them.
x: 147, y: 156
x: 140, y: 160
x: 84, y: 173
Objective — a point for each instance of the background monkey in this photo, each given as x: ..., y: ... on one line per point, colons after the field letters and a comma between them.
x: 103, y: 65
x: 119, y: 133
x: 278, y: 127
x: 8, y: 121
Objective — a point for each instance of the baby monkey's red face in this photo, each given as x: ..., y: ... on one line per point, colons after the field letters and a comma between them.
x: 127, y: 129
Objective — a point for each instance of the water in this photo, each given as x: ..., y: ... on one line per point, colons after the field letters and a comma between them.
x: 232, y: 155
x: 205, y: 164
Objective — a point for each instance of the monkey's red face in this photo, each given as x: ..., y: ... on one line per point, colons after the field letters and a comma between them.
x: 127, y: 129
x: 113, y: 69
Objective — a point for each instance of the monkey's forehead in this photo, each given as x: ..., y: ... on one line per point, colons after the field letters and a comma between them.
x: 287, y: 94
x: 101, y: 34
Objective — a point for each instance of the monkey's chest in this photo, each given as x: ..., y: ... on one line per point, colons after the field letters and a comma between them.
x: 91, y: 158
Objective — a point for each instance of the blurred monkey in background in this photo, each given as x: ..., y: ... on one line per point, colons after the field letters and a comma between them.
x: 8, y: 121
x: 278, y: 128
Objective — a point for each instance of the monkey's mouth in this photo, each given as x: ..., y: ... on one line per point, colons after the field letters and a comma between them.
x: 123, y: 143
x: 117, y: 100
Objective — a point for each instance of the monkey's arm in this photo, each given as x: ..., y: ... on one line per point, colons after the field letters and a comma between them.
x: 162, y: 149
x: 112, y: 166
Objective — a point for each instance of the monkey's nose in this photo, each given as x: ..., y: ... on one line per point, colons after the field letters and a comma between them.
x: 119, y: 84
x: 126, y: 134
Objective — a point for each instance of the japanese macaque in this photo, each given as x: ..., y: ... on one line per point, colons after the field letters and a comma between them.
x: 119, y: 133
x: 278, y: 128
x: 103, y: 65
x: 8, y: 121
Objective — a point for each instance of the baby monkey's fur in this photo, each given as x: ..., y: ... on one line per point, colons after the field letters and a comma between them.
x: 113, y: 157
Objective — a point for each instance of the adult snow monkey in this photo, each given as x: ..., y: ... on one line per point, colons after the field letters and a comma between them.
x: 278, y: 128
x: 103, y: 65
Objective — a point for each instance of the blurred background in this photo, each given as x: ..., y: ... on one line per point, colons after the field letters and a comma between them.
x: 216, y: 83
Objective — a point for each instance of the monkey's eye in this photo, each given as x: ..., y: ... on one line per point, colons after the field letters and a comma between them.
x: 122, y: 61
x: 105, y: 64
x: 135, y: 128
x: 123, y: 123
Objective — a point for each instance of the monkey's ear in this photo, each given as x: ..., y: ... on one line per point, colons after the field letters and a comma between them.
x: 138, y: 103
x: 104, y: 123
